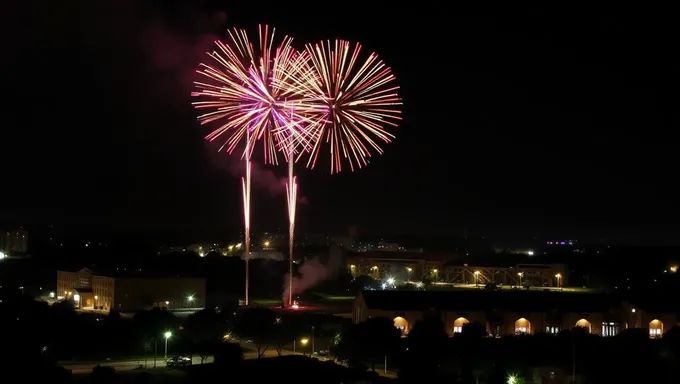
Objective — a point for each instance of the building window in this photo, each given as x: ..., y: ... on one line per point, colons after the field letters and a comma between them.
x: 521, y: 330
x: 552, y: 330
x: 457, y: 329
x: 610, y: 329
x: 655, y: 333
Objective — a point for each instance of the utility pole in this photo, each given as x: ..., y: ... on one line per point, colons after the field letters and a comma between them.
x: 155, y: 351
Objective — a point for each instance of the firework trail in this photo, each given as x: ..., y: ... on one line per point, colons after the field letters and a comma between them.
x: 349, y: 105
x: 242, y: 91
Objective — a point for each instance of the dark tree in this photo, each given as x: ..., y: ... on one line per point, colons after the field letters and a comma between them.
x: 258, y: 325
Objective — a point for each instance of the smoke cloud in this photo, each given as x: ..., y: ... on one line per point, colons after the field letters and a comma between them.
x: 262, y: 178
x: 311, y: 273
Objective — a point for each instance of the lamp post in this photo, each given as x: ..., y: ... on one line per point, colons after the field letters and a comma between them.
x: 167, y: 336
x: 520, y: 274
x: 190, y: 299
x: 476, y: 277
x: 304, y: 342
x: 558, y: 277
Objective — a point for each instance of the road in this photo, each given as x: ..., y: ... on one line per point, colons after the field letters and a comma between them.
x: 249, y: 352
x: 79, y: 368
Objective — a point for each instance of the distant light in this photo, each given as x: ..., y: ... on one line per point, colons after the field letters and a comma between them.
x: 390, y: 281
x: 52, y: 295
x: 190, y: 298
x: 76, y: 297
x: 201, y: 254
x: 2, y: 255
x: 167, y: 334
x: 530, y: 253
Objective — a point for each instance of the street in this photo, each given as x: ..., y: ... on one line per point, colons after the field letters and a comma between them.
x: 249, y: 353
x: 79, y: 368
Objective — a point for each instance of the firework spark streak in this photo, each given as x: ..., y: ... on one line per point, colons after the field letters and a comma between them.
x: 348, y: 105
x: 242, y: 92
x: 291, y: 188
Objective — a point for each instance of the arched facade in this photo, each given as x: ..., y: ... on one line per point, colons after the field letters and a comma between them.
x: 458, y: 324
x: 655, y: 329
x: 585, y: 324
x: 401, y: 324
x: 522, y: 327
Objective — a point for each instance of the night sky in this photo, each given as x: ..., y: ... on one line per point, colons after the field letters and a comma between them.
x: 519, y: 122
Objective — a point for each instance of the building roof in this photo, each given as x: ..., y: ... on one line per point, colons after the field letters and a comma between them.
x: 425, y: 256
x: 481, y: 300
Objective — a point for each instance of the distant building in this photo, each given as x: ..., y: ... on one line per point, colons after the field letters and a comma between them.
x: 90, y: 291
x: 535, y: 275
x: 399, y: 265
x: 504, y: 313
x: 14, y: 241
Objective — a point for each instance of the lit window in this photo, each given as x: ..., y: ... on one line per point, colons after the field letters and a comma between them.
x: 457, y: 329
x: 521, y: 330
x: 610, y: 329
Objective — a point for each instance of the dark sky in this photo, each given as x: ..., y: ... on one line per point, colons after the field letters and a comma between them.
x: 519, y: 122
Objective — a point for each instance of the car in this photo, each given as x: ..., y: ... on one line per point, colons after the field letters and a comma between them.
x: 178, y: 361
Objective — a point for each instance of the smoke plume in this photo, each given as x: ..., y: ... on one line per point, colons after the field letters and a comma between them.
x: 312, y: 272
x: 262, y: 178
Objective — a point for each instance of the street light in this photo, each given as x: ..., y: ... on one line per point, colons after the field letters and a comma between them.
x: 2, y: 255
x: 167, y: 336
x: 520, y: 274
x: 190, y: 299
x: 476, y: 277
x: 304, y: 342
x: 558, y: 277
x: 409, y: 270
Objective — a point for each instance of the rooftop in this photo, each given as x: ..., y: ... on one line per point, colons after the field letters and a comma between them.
x: 481, y: 300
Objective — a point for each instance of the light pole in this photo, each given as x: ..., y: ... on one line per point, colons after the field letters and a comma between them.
x: 190, y: 299
x: 167, y: 336
x: 304, y: 342
x: 520, y: 274
x: 409, y: 270
x: 312, y: 340
x: 476, y: 277
x: 558, y: 277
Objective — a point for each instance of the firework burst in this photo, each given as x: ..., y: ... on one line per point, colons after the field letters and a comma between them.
x: 242, y: 92
x: 349, y: 104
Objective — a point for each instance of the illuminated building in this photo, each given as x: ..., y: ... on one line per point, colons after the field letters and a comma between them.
x: 89, y: 291
x: 12, y: 242
x: 504, y: 313
x: 535, y: 275
x: 400, y: 265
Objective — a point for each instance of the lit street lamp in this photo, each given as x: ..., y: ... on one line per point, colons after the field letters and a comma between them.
x: 304, y: 342
x: 558, y: 277
x: 520, y: 274
x: 167, y: 336
x: 2, y: 255
x: 476, y: 277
